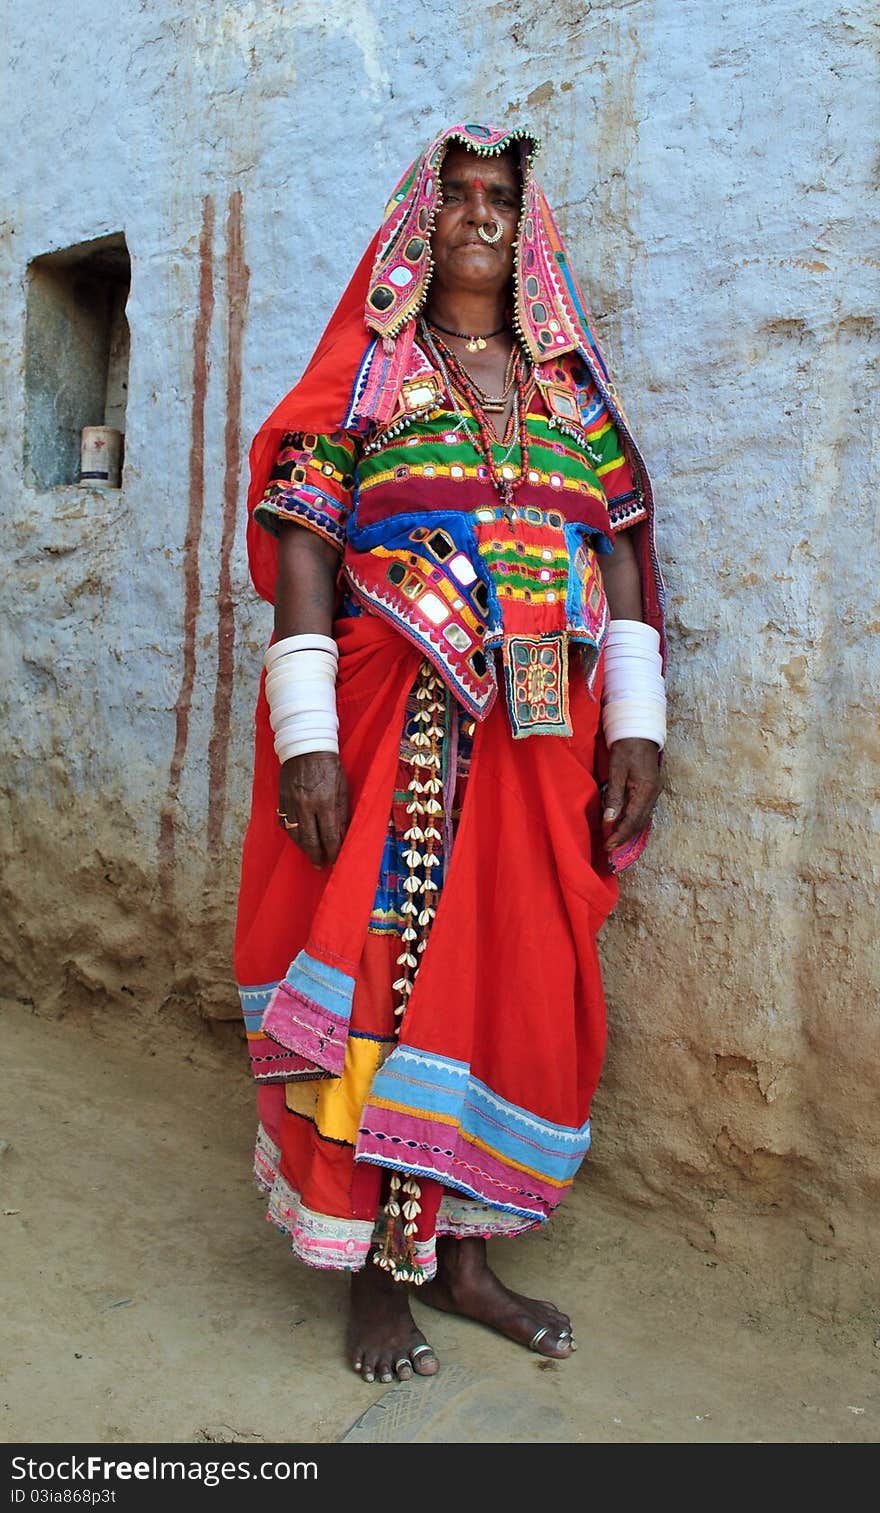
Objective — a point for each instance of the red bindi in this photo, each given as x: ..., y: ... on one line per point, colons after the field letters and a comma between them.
x: 478, y: 184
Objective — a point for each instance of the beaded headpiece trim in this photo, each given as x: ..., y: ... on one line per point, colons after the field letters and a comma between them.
x: 549, y: 315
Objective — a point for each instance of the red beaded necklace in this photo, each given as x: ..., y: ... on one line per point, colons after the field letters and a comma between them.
x: 505, y: 481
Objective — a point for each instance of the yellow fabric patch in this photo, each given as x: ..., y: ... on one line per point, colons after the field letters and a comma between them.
x: 335, y: 1103
x: 302, y: 1097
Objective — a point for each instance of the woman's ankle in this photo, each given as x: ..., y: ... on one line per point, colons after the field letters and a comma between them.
x: 461, y: 1258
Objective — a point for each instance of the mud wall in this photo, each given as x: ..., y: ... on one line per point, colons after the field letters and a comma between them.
x: 710, y: 166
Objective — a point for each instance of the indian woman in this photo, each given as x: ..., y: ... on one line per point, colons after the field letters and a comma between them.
x: 457, y: 749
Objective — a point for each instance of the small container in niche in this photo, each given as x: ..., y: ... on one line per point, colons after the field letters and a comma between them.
x: 100, y: 457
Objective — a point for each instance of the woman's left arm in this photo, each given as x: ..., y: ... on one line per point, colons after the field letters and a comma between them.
x: 634, y: 780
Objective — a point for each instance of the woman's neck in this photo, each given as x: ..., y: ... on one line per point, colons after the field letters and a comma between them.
x: 473, y: 314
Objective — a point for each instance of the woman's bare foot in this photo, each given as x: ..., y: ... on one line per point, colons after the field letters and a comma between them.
x: 383, y: 1340
x: 466, y: 1285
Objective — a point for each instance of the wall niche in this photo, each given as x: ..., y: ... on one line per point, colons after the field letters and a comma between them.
x: 76, y: 353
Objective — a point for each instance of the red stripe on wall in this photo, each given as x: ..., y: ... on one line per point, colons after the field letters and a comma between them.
x: 237, y: 281
x: 195, y: 512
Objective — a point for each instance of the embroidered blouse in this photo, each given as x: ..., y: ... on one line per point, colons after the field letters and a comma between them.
x: 424, y: 542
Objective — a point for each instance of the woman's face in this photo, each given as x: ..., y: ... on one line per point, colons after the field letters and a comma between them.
x: 476, y: 192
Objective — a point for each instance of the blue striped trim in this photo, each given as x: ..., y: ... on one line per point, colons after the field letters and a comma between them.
x: 550, y: 1149
x: 434, y: 1084
x: 254, y: 1003
x: 562, y: 263
x: 325, y: 986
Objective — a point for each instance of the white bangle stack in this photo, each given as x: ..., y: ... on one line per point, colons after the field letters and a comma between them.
x: 301, y: 690
x: 633, y: 691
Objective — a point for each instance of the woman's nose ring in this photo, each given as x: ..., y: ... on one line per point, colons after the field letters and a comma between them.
x: 490, y: 236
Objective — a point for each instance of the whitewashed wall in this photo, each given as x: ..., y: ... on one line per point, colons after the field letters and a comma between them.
x: 711, y: 169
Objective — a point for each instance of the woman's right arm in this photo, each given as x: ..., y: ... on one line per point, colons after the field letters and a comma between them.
x: 312, y: 791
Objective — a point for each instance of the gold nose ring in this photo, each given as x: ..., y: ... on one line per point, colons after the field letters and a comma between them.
x: 490, y: 237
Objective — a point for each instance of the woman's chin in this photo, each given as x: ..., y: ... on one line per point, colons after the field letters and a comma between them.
x: 475, y: 269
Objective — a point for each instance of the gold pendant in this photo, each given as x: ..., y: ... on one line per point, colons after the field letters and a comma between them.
x: 476, y: 344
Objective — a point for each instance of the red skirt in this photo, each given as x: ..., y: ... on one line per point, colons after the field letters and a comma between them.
x: 480, y: 1092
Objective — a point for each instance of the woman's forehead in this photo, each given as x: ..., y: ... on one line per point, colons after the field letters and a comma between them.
x: 461, y: 163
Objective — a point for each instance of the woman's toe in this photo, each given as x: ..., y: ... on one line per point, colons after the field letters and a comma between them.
x: 404, y: 1368
x: 425, y: 1362
x: 547, y: 1341
x: 558, y: 1323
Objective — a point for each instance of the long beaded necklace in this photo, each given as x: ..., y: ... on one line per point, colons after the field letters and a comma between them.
x: 503, y: 477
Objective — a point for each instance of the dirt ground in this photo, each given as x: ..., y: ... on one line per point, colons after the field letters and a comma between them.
x: 146, y: 1299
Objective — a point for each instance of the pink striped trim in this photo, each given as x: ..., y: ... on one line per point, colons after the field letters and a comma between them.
x: 314, y: 1034
x: 406, y: 1142
x: 272, y: 1063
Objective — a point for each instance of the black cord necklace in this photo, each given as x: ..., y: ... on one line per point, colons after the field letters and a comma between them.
x: 473, y: 343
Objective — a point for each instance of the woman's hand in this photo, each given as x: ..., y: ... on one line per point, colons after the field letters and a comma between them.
x: 313, y: 794
x: 634, y: 784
